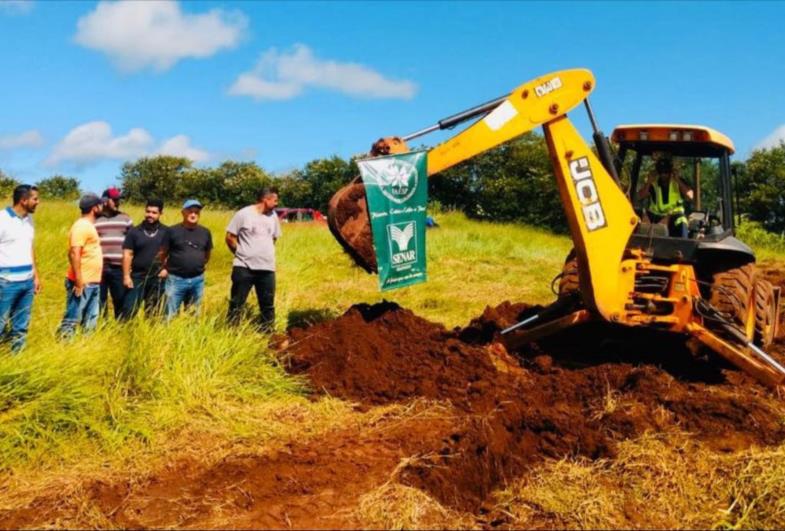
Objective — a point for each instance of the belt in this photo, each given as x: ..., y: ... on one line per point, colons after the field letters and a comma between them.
x: 17, y: 269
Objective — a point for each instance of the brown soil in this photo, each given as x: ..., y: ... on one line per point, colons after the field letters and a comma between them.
x: 552, y: 406
x: 309, y: 485
x: 501, y: 414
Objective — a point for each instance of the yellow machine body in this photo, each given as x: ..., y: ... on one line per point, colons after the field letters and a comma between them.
x: 599, y: 214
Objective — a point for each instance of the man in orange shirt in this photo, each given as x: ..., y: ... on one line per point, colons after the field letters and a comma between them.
x: 85, y: 264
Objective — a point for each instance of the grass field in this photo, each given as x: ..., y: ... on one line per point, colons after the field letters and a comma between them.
x: 130, y: 396
x: 105, y: 395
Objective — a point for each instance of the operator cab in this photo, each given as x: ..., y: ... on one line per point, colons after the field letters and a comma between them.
x: 701, y: 160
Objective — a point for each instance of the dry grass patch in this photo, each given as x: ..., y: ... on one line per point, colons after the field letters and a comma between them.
x: 657, y: 481
x: 395, y: 506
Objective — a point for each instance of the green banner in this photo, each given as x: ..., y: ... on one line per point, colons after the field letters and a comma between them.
x: 397, y: 190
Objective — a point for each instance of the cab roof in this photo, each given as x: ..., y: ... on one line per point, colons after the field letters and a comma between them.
x: 698, y: 138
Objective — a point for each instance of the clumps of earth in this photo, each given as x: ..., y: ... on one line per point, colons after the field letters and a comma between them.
x: 478, y: 417
x: 577, y: 394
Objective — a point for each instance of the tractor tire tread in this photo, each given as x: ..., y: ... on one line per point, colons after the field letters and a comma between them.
x: 765, y: 313
x: 569, y: 282
x: 732, y: 290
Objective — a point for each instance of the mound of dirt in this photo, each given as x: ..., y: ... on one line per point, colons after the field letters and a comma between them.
x: 489, y: 418
x: 515, y: 414
x: 380, y: 354
x: 487, y: 326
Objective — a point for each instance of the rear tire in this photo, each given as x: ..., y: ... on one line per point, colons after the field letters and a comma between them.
x: 569, y: 282
x: 732, y: 293
x: 765, y: 314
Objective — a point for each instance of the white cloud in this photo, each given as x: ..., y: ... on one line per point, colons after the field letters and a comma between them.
x: 180, y: 146
x: 774, y: 139
x: 26, y: 139
x: 157, y: 34
x: 282, y: 76
x: 94, y: 141
x: 16, y: 7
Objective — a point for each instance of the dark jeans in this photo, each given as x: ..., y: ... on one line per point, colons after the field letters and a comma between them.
x: 82, y: 310
x: 243, y: 279
x: 112, y: 285
x: 16, y: 301
x: 148, y: 290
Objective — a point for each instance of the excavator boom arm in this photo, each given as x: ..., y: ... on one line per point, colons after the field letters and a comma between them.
x: 599, y: 214
x: 529, y: 106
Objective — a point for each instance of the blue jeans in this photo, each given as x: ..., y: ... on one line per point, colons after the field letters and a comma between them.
x: 16, y: 301
x: 185, y: 291
x: 80, y: 310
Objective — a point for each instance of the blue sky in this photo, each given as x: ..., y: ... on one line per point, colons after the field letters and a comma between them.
x: 88, y: 85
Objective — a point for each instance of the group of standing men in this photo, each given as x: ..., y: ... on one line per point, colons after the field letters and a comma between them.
x: 152, y: 265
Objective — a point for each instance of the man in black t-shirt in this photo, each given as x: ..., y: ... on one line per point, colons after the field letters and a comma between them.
x: 186, y: 251
x: 142, y: 271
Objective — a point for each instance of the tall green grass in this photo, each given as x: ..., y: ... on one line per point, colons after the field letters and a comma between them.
x: 120, y: 384
x: 131, y: 386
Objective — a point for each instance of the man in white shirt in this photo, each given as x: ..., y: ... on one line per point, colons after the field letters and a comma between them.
x: 18, y: 275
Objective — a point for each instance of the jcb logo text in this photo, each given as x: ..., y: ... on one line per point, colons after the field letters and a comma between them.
x: 586, y: 190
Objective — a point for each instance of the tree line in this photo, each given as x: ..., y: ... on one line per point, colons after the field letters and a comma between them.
x: 513, y: 182
x: 54, y: 187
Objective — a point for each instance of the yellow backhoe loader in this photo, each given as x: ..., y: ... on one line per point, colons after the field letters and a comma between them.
x: 624, y: 268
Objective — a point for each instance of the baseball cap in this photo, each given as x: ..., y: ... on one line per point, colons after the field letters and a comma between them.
x: 89, y: 201
x: 192, y: 203
x: 112, y: 193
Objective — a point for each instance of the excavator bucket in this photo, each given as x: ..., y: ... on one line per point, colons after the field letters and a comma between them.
x: 347, y: 217
x: 347, y: 211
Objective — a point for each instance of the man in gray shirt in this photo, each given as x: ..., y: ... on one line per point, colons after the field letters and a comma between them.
x: 251, y: 237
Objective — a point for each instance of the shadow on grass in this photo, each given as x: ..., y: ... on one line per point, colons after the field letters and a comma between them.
x: 309, y: 317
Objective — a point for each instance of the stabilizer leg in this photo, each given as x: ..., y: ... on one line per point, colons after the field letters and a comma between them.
x: 756, y: 363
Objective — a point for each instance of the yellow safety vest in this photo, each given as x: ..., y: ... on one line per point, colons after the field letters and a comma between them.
x: 675, y: 204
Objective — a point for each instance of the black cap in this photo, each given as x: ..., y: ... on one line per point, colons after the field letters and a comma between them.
x: 89, y: 201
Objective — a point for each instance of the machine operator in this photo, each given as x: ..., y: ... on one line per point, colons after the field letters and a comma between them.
x: 666, y: 193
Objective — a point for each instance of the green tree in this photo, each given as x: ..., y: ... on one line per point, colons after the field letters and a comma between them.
x: 59, y: 187
x: 325, y: 177
x: 161, y: 176
x: 203, y: 184
x: 7, y: 184
x: 293, y: 190
x: 742, y: 187
x: 231, y: 184
x: 240, y: 182
x: 765, y: 177
x: 513, y: 182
